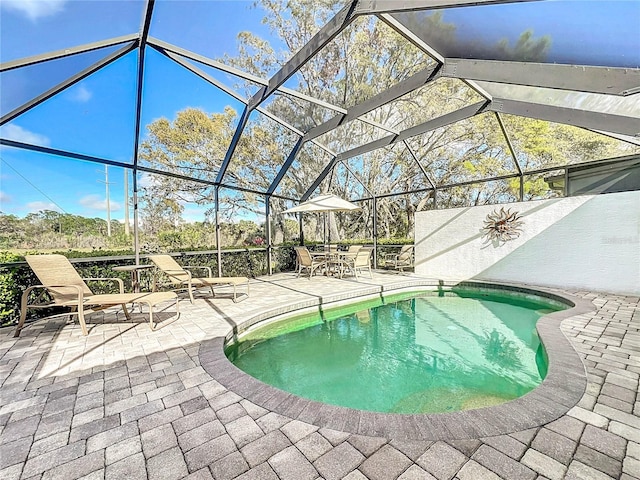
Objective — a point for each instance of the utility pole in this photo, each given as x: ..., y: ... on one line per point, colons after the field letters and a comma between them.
x: 126, y: 202
x: 106, y: 184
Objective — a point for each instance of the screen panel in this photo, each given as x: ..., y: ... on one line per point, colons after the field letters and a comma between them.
x: 242, y: 86
x: 175, y: 214
x: 262, y: 149
x: 37, y: 27
x: 218, y: 30
x: 351, y: 135
x: 297, y: 112
x: 391, y: 169
x: 365, y: 59
x: 59, y: 204
x: 560, y: 31
x: 95, y: 116
x: 185, y: 130
x: 23, y: 84
x: 471, y: 149
x: 541, y: 144
x: 396, y: 221
x: 435, y: 99
x: 481, y: 193
x: 309, y: 163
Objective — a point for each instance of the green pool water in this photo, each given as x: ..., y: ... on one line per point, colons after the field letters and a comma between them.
x: 427, y: 353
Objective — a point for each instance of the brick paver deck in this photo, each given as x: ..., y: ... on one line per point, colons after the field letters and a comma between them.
x: 125, y: 402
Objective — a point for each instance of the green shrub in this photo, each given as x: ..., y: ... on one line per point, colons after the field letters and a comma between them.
x: 16, y: 276
x: 14, y: 279
x: 10, y: 288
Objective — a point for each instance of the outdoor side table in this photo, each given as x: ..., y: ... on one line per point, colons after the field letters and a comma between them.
x: 135, y: 274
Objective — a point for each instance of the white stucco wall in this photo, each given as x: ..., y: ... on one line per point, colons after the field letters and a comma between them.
x: 589, y: 242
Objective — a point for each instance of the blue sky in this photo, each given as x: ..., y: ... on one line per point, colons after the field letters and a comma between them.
x: 96, y: 116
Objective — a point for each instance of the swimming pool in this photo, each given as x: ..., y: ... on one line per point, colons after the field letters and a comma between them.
x: 419, y: 352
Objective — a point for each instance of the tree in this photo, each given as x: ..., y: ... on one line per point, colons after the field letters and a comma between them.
x: 11, y: 231
x: 49, y: 229
x: 194, y: 145
x: 366, y: 58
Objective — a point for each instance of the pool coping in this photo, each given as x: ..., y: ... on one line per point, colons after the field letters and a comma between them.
x: 562, y: 388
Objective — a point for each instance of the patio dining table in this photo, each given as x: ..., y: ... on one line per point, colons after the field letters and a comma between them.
x: 334, y: 262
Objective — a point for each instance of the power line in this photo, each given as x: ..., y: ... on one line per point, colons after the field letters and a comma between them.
x: 29, y: 182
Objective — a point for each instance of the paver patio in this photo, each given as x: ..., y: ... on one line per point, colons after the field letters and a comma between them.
x: 125, y: 402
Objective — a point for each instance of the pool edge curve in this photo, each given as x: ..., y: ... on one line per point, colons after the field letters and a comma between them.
x: 561, y: 389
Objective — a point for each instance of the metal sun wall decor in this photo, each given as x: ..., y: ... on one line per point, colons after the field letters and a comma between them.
x: 502, y: 225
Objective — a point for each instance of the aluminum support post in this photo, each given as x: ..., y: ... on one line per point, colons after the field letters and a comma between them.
x: 375, y: 232
x: 216, y: 194
x: 267, y: 217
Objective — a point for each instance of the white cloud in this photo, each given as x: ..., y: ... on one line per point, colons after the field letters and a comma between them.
x: 95, y: 202
x: 147, y: 180
x: 19, y: 134
x: 5, y: 198
x: 34, y: 9
x: 80, y: 94
x: 34, y: 207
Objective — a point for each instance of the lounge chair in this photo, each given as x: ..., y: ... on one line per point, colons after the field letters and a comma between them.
x: 66, y: 288
x: 182, y: 279
x: 308, y: 262
x: 400, y: 260
x: 362, y: 260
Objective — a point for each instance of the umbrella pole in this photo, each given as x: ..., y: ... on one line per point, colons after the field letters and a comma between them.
x: 324, y: 231
x: 328, y: 226
x: 301, y: 230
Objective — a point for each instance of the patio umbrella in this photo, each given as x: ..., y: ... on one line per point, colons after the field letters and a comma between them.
x: 324, y: 203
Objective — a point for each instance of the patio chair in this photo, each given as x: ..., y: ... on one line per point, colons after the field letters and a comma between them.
x: 63, y: 284
x: 362, y: 260
x: 182, y: 279
x: 336, y: 262
x: 308, y: 262
x: 353, y: 249
x: 400, y: 260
